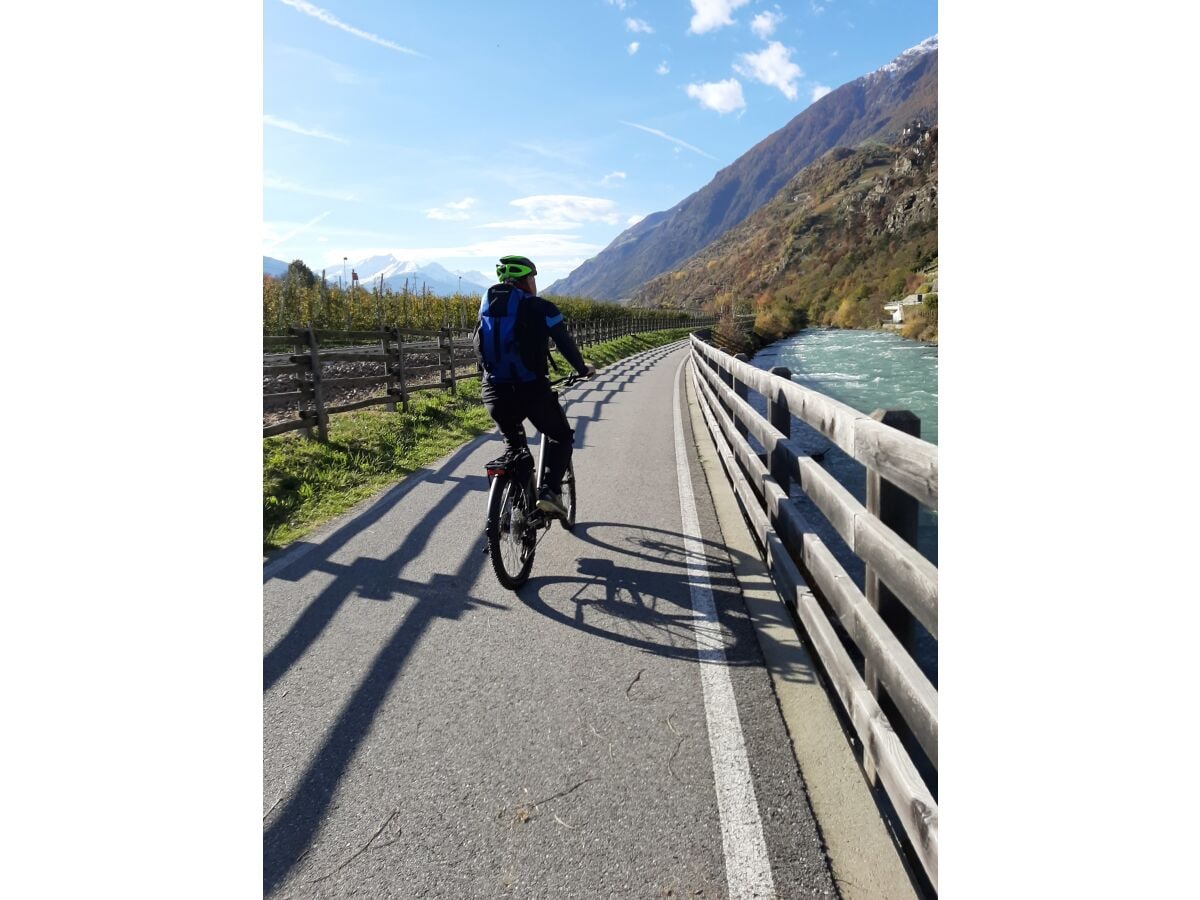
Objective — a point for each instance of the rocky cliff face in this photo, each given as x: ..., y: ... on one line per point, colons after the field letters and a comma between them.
x: 874, y: 107
x: 853, y: 225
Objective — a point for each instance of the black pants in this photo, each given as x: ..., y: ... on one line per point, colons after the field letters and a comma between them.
x: 510, y: 404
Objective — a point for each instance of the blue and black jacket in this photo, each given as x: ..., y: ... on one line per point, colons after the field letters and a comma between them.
x: 512, y: 340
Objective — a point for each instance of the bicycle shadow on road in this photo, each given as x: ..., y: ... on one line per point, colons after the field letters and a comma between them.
x: 649, y: 606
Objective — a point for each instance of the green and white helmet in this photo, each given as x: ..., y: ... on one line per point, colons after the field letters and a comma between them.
x: 514, y: 268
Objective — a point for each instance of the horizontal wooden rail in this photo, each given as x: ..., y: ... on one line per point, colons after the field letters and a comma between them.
x: 911, y: 576
x: 364, y: 356
x: 283, y: 427
x: 906, y: 461
x: 914, y: 695
x: 395, y: 349
x: 809, y: 574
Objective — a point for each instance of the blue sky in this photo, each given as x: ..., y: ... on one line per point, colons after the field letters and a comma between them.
x: 459, y: 131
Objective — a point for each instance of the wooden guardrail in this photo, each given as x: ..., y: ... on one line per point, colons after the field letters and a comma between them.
x: 887, y: 698
x: 409, y: 361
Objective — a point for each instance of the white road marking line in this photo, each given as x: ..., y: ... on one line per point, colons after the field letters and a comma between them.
x: 747, y: 865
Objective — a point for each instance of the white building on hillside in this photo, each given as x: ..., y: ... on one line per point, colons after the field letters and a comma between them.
x: 896, y: 307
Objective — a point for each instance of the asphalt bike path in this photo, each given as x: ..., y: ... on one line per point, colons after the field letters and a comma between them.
x: 606, y: 731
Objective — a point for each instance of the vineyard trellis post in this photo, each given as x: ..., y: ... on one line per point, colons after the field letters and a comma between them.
x: 301, y: 358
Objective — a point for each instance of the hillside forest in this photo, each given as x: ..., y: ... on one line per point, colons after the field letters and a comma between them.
x: 851, y: 232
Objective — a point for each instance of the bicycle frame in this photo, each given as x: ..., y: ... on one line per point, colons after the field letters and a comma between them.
x: 511, y: 476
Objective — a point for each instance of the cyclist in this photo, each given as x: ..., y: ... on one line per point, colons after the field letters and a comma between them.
x: 512, y: 343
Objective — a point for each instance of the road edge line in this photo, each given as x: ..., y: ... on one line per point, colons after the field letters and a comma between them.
x: 747, y: 863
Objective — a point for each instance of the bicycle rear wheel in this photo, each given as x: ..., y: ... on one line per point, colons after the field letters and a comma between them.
x: 569, y: 495
x: 511, y: 542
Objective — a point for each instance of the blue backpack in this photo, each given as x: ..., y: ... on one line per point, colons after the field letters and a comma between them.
x: 508, y: 341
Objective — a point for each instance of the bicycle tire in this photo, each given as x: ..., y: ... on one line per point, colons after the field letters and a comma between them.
x: 511, y: 543
x: 570, y: 496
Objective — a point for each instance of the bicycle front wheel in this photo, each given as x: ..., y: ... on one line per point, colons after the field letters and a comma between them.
x: 569, y: 494
x: 511, y: 542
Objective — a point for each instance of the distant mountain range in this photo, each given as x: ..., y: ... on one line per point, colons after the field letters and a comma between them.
x: 876, y: 106
x: 434, y: 277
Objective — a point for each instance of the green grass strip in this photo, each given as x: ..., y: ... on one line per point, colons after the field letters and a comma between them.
x: 307, y: 483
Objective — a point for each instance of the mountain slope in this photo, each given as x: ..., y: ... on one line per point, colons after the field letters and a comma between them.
x: 276, y: 268
x: 876, y: 106
x: 849, y: 232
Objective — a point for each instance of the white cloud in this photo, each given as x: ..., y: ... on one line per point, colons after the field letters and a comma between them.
x: 817, y: 8
x: 667, y: 137
x: 299, y: 129
x: 633, y: 48
x: 452, y: 212
x: 820, y: 91
x: 663, y: 68
x: 765, y: 23
x: 611, y: 178
x: 713, y: 14
x: 773, y: 67
x: 639, y: 26
x: 722, y: 96
x: 330, y: 19
x: 633, y: 220
x: 619, y: 4
x: 560, y: 212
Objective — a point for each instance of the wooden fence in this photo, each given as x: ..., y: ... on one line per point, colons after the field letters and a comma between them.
x: 890, y: 703
x: 409, y: 361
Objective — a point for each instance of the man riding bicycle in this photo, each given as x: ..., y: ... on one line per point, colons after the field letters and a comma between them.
x: 512, y: 343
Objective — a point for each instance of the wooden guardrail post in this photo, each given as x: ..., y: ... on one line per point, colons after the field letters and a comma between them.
x: 780, y: 417
x: 400, y: 366
x: 739, y: 388
x: 898, y: 511
x: 446, y: 355
x: 389, y: 369
x: 726, y: 376
x: 303, y: 386
x: 318, y: 392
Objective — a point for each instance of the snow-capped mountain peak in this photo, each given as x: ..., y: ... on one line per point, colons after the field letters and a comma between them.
x: 909, y: 56
x: 396, y: 273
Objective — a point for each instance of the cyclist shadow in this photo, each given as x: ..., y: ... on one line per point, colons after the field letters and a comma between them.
x: 648, y: 604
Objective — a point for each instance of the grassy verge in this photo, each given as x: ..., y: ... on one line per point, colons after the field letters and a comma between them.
x: 306, y: 483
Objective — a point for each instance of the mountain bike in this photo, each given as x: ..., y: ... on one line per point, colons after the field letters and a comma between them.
x: 514, y: 523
